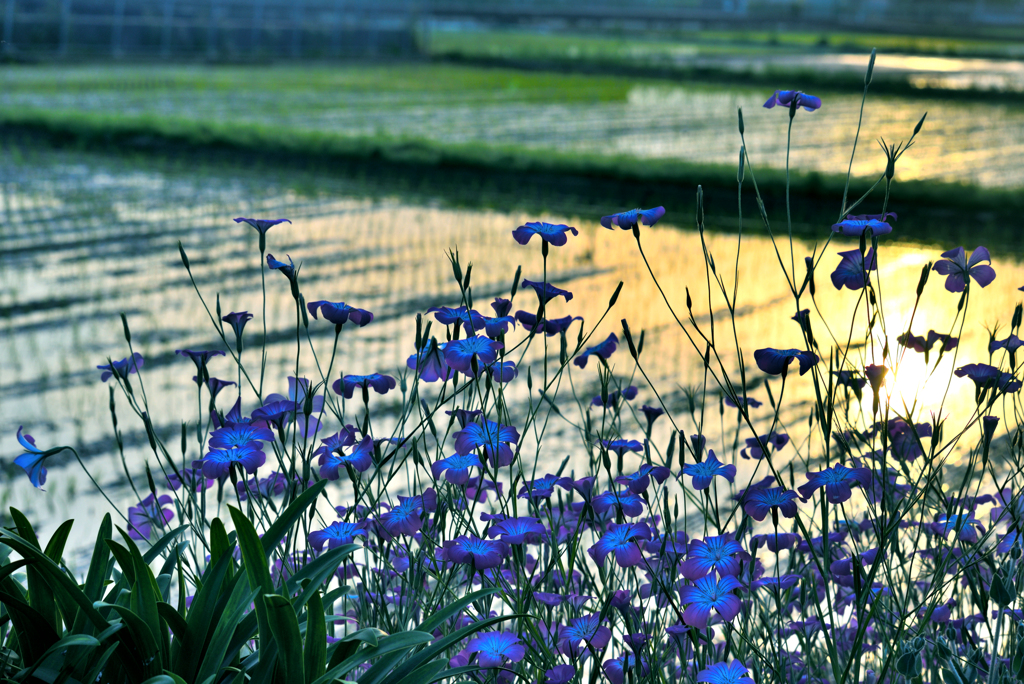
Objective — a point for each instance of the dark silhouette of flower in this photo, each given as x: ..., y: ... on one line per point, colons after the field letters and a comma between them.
x: 733, y: 672
x: 272, y: 485
x: 758, y: 503
x: 628, y: 220
x: 920, y: 344
x: 1010, y: 344
x: 502, y: 307
x: 958, y: 270
x: 619, y: 539
x: 776, y: 361
x: 836, y: 481
x: 147, y: 515
x: 852, y: 270
x: 785, y: 98
x: 876, y: 376
x: 346, y: 386
x: 704, y: 471
x: 336, y: 534
x: 986, y: 376
x: 546, y: 291
x: 478, y: 553
x: 122, y: 368
x: 429, y: 363
x: 459, y: 354
x: 602, y: 350
x: 735, y: 403
x: 710, y: 594
x: 651, y: 413
x: 713, y: 553
x: 456, y: 468
x: 548, y: 232
x: 190, y: 476
x: 548, y: 327
x: 237, y: 321
x: 339, y: 313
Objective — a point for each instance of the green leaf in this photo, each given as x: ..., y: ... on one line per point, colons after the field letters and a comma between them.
x: 35, y: 635
x: 288, y: 517
x: 154, y: 551
x: 71, y: 641
x: 100, y: 664
x: 40, y: 597
x: 99, y: 572
x: 217, y: 650
x: 350, y: 643
x: 402, y: 642
x: 315, y: 654
x: 145, y: 644
x: 202, y: 617
x: 218, y: 540
x: 173, y: 619
x: 316, y: 573
x: 284, y: 625
x: 254, y: 558
x: 145, y: 595
x: 453, y: 609
x: 424, y: 674
x: 124, y: 561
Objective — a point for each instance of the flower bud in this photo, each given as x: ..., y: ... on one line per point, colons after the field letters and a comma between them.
x: 127, y: 332
x: 925, y: 270
x: 740, y: 174
x: 184, y: 257
x: 739, y: 113
x: 917, y: 128
x: 515, y: 281
x: 615, y: 295
x: 629, y: 339
x: 871, y: 68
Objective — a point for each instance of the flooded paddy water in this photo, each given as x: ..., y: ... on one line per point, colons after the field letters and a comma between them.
x: 86, y: 237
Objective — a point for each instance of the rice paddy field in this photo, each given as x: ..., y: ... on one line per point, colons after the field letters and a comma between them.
x: 86, y: 235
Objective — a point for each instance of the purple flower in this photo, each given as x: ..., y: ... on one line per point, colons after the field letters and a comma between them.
x: 776, y: 361
x: 713, y: 553
x: 541, y: 488
x: 429, y: 363
x: 629, y: 503
x: 32, y: 460
x: 651, y: 413
x: 957, y: 268
x: 215, y: 385
x: 271, y: 485
x: 122, y: 368
x: 192, y: 477
x: 502, y: 307
x: 218, y: 462
x: 548, y: 327
x: 773, y: 442
x: 287, y: 269
x: 613, y: 398
x: 786, y: 98
x: 200, y: 358
x: 405, y: 517
x: 705, y: 470
x: 503, y: 372
x: 239, y: 435
x: 964, y: 524
x: 298, y: 391
x: 467, y: 319
x: 459, y: 354
x: 584, y: 629
x: 478, y: 553
x: 852, y: 270
x: 147, y: 515
x: 836, y: 481
x: 621, y: 446
x: 261, y: 225
x: 710, y: 593
x: 492, y: 437
x: 725, y: 673
x: 640, y: 480
x: 603, y: 350
x: 854, y: 226
x: 336, y: 534
x: 546, y: 291
x: 775, y: 541
x: 876, y: 376
x: 361, y: 458
x: 237, y: 321
x: 986, y: 376
x: 498, y: 326
x: 548, y: 232
x: 758, y: 503
x: 456, y: 468
x: 518, y: 530
x: 615, y: 670
x: 619, y: 539
x: 346, y: 386
x: 735, y: 403
x: 559, y: 674
x: 495, y: 648
x: 340, y: 313
x: 628, y: 220
x: 1010, y: 344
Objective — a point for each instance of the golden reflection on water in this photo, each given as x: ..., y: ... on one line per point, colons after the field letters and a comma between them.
x: 76, y: 265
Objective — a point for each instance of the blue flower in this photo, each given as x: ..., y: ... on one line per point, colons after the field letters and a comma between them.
x: 336, y: 534
x: 639, y: 481
x: 619, y: 540
x: 262, y: 225
x: 854, y: 226
x: 478, y: 553
x: 360, y: 458
x: 200, y: 358
x: 710, y: 594
x: 852, y: 270
x: 725, y: 673
x: 651, y: 413
x: 786, y: 98
x: 347, y: 385
x: 456, y: 468
x: 277, y: 413
x: 613, y: 398
x: 959, y: 270
x: 404, y: 518
x: 522, y: 530
x: 628, y: 220
x: 776, y: 361
x: 492, y: 437
x: 495, y: 648
x: 552, y: 233
x: 713, y: 553
x: 541, y: 488
x: 548, y: 327
x: 271, y: 485
x: 288, y: 269
x: 502, y: 307
x: 122, y: 368
x: 218, y: 462
x: 965, y: 525
x: 546, y: 291
x: 759, y: 502
x: 986, y: 376
x: 586, y: 629
x: 215, y: 385
x: 340, y: 313
x: 836, y: 481
x: 469, y: 320
x: 621, y: 446
x: 237, y: 321
x: 459, y: 354
x: 773, y: 441
x: 503, y: 372
x: 239, y: 435
x: 498, y: 326
x: 615, y: 670
x: 705, y: 470
x: 429, y: 363
x: 32, y: 460
x: 603, y: 350
x: 626, y: 501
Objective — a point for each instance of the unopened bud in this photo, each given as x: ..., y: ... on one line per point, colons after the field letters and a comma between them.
x: 127, y: 332
x: 739, y: 113
x: 615, y: 295
x: 184, y: 257
x: 871, y: 68
x: 740, y: 173
x: 917, y: 128
x: 515, y: 281
x: 925, y: 270
x: 629, y: 339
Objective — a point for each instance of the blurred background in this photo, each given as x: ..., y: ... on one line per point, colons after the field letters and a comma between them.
x: 391, y: 130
